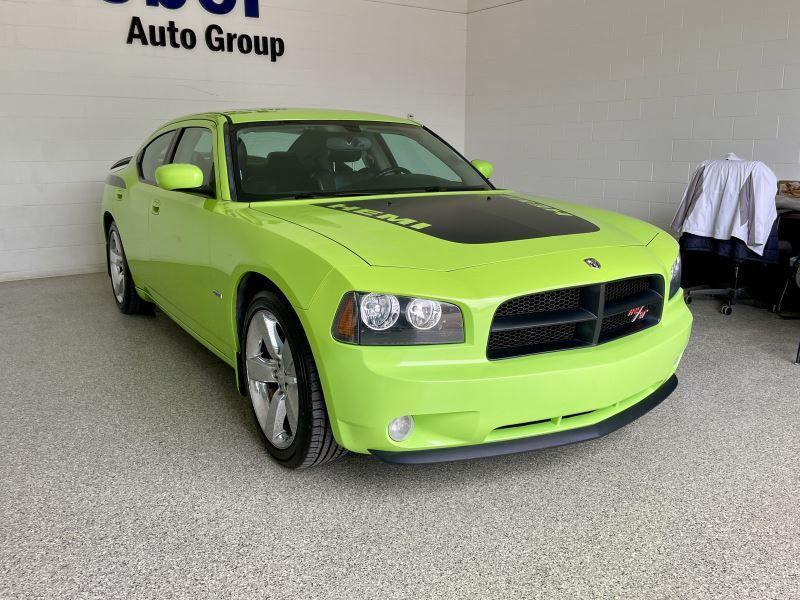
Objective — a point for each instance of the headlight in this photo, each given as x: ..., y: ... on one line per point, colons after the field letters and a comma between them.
x: 424, y: 314
x: 386, y: 320
x: 675, y: 277
x: 379, y: 311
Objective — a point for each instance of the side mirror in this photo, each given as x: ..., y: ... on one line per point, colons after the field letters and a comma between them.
x: 484, y: 168
x: 179, y: 177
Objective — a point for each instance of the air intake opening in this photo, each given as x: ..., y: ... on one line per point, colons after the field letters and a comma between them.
x: 575, y: 317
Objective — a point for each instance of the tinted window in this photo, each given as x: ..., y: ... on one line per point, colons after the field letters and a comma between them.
x: 415, y: 157
x: 154, y: 156
x: 263, y: 142
x: 323, y: 159
x: 196, y: 147
x: 253, y: 149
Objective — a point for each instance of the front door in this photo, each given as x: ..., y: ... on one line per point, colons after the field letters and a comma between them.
x: 180, y: 225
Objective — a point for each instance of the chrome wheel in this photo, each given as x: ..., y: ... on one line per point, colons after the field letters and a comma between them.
x: 272, y: 379
x: 116, y: 264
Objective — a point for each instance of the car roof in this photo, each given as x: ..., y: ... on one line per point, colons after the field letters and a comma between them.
x: 262, y: 115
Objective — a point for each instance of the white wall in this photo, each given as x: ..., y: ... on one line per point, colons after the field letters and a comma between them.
x: 608, y: 102
x: 614, y: 102
x: 74, y: 97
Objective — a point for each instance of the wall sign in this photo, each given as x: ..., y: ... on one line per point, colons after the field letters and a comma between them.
x: 215, y: 37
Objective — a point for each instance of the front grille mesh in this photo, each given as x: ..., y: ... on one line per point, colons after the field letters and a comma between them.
x: 543, y: 302
x: 531, y: 336
x: 612, y: 323
x: 616, y: 321
x: 573, y: 317
x: 625, y: 288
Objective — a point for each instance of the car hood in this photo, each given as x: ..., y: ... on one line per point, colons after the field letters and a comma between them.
x: 449, y: 231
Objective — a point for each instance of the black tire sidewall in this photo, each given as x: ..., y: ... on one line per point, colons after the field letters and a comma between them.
x: 295, y: 454
x: 127, y: 304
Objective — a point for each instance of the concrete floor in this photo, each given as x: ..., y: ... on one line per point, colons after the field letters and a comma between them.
x: 130, y: 467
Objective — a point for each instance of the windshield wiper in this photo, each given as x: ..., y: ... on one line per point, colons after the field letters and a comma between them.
x: 346, y: 193
x: 312, y: 195
x: 442, y: 188
x: 305, y: 196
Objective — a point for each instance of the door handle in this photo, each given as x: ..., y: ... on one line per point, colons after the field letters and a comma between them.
x: 156, y: 207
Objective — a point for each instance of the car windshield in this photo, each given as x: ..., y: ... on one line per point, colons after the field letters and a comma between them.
x: 328, y: 159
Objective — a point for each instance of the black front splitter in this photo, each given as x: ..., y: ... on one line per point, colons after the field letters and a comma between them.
x: 538, y: 442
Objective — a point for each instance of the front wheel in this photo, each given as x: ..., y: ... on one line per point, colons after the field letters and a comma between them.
x: 283, y: 386
x: 128, y: 301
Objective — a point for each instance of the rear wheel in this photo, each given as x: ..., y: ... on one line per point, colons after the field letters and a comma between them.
x: 283, y: 386
x: 128, y: 301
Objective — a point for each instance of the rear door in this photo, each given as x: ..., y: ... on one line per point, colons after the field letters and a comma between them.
x: 180, y: 225
x: 135, y: 236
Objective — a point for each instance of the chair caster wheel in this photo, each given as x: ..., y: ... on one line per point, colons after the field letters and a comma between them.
x: 726, y: 309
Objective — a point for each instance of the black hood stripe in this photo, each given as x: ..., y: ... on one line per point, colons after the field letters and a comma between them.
x: 470, y: 218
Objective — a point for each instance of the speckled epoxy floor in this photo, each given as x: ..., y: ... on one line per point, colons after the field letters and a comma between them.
x: 131, y: 468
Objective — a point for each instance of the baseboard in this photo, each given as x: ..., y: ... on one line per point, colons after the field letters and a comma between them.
x: 90, y: 269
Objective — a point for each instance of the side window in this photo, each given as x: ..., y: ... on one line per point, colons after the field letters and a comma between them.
x: 416, y: 158
x: 196, y: 147
x: 154, y: 156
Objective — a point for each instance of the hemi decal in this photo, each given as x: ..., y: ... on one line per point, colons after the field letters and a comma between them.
x: 376, y: 214
x: 470, y: 218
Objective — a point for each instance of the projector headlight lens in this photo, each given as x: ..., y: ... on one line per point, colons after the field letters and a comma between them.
x: 423, y: 314
x: 379, y: 311
x: 377, y: 319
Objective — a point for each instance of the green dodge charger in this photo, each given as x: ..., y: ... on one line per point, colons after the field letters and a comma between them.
x: 374, y: 292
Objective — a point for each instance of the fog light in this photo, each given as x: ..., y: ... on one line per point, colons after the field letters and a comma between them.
x: 401, y: 427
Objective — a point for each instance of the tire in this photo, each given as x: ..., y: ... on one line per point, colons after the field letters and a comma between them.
x: 122, y: 286
x: 282, y: 383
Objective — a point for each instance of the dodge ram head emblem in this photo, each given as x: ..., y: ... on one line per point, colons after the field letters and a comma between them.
x: 592, y: 262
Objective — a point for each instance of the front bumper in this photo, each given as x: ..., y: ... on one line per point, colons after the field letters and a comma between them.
x: 458, y: 399
x: 539, y: 442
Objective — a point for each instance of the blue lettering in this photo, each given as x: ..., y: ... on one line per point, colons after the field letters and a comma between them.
x: 251, y: 8
x: 170, y: 4
x: 217, y: 7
